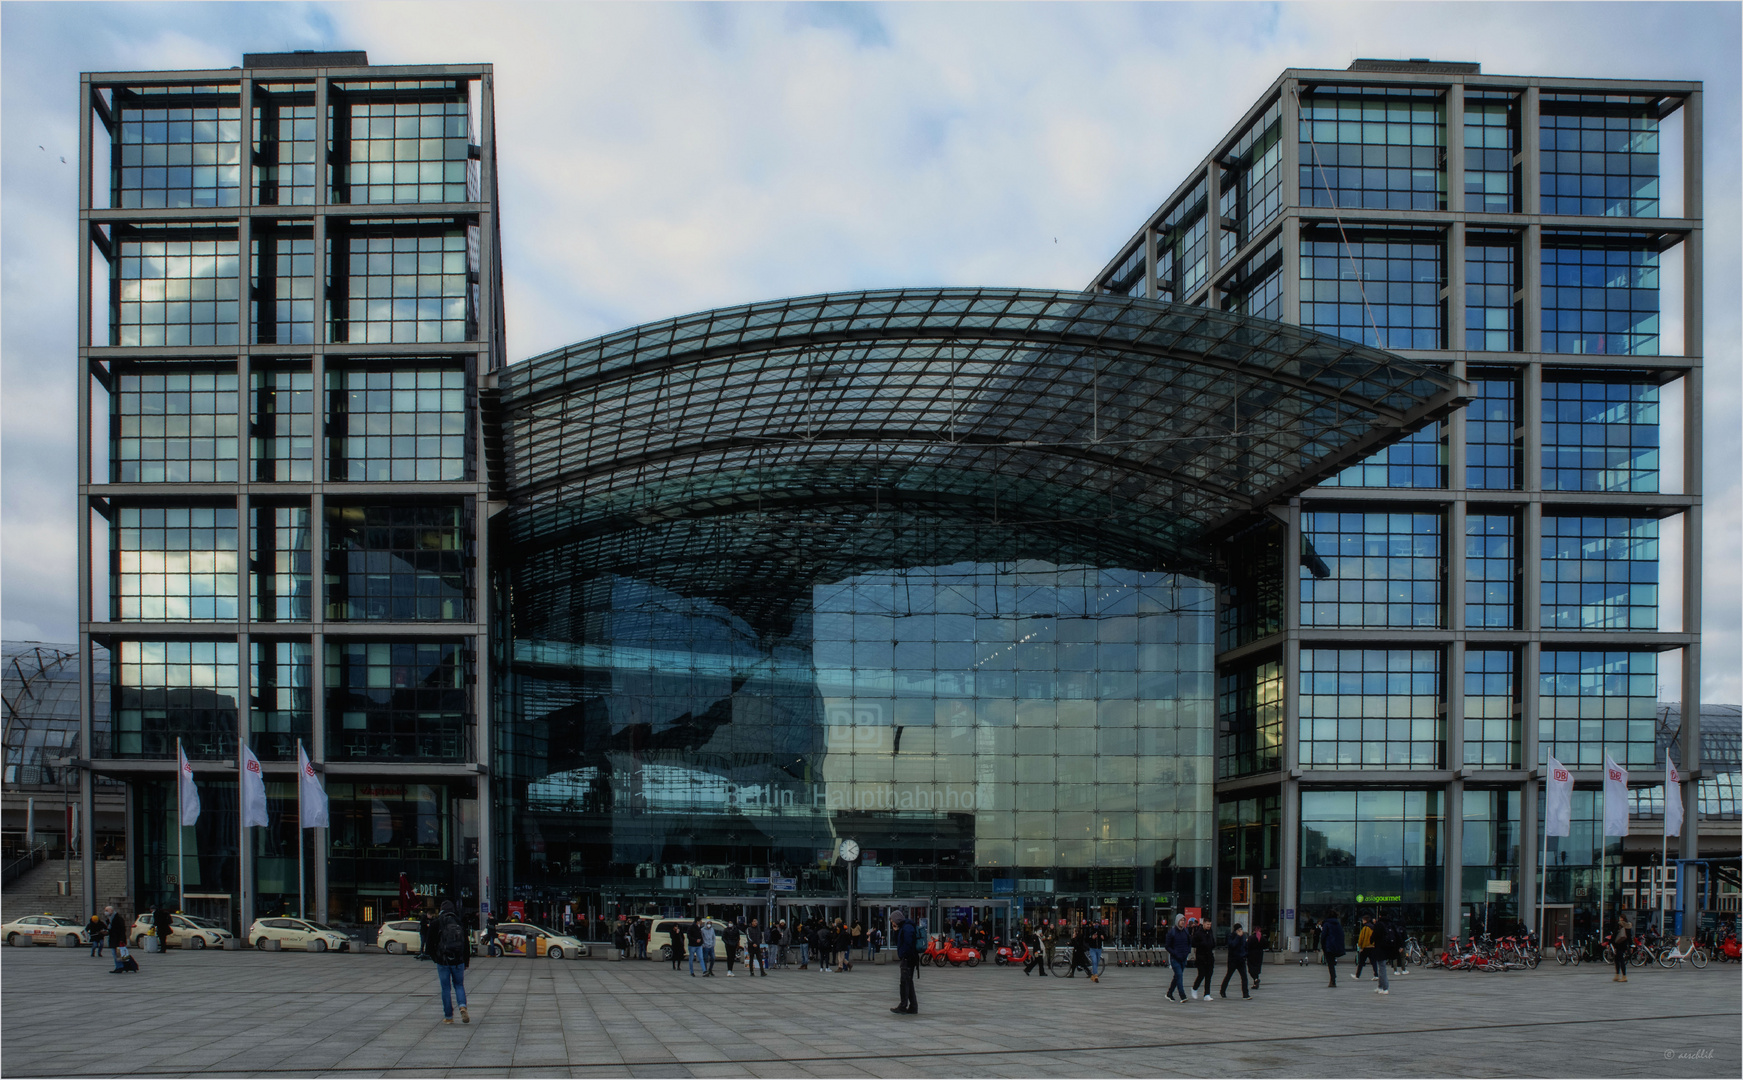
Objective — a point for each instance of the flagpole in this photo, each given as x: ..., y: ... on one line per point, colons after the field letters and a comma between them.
x: 181, y: 873
x: 302, y: 911
x: 1543, y: 874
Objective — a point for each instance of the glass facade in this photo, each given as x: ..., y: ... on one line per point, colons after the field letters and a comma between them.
x: 1492, y: 307
x: 1250, y: 720
x: 1600, y: 293
x: 173, y: 425
x: 282, y: 428
x: 1364, y: 282
x: 401, y: 151
x: 175, y: 563
x: 177, y: 147
x: 1373, y: 148
x: 408, y: 423
x: 1494, y: 440
x: 1416, y: 461
x: 1373, y: 847
x: 1256, y: 288
x: 1372, y: 569
x: 169, y: 690
x: 1493, y: 723
x: 1371, y: 709
x: 1252, y: 181
x: 1600, y: 434
x: 1599, y: 155
x: 1490, y: 849
x: 1183, y: 246
x: 401, y: 285
x: 282, y: 285
x: 281, y: 585
x: 1492, y: 569
x: 1596, y: 701
x: 281, y: 702
x: 1599, y: 573
x: 284, y: 144
x: 398, y: 562
x: 398, y: 700
x: 1491, y: 141
x: 174, y: 287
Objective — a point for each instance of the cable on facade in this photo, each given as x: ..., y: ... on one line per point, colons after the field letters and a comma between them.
x: 1344, y: 237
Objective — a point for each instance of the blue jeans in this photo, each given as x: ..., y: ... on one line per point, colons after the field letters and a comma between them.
x: 695, y: 955
x: 1380, y: 972
x: 1095, y: 961
x: 452, y: 975
x: 1179, y: 983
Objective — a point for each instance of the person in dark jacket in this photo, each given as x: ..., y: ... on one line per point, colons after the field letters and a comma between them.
x: 453, y: 955
x: 754, y: 952
x: 98, y: 931
x: 642, y: 930
x: 693, y: 938
x: 426, y: 946
x: 1385, y: 951
x: 675, y: 932
x: 1331, y: 942
x: 1037, y: 961
x: 1622, y: 944
x: 1178, y: 942
x: 1095, y: 939
x: 908, y: 953
x: 730, y: 936
x: 1204, y: 957
x: 162, y: 926
x: 116, y: 931
x: 1255, y: 954
x: 1080, y: 953
x: 1238, y: 946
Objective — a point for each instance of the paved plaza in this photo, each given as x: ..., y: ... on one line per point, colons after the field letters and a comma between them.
x: 291, y: 1014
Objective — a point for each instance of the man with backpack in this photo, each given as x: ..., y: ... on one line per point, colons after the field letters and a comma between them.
x: 1386, y: 943
x: 1331, y: 943
x: 453, y: 954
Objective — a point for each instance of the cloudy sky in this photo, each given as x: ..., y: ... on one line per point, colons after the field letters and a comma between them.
x: 658, y: 159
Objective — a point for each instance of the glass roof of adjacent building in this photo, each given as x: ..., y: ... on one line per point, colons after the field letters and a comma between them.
x: 41, y: 707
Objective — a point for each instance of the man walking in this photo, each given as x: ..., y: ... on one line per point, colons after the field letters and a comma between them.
x: 1365, y: 945
x: 116, y: 930
x: 708, y: 950
x: 162, y: 925
x: 693, y: 938
x: 1385, y: 952
x: 754, y: 957
x: 730, y: 937
x: 1096, y: 939
x: 1255, y: 954
x: 908, y: 953
x: 1238, y: 946
x: 452, y: 955
x: 1179, y: 945
x: 1331, y: 943
x: 1037, y: 961
x: 1204, y: 955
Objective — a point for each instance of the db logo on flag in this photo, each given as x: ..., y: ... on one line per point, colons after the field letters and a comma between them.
x: 253, y: 766
x: 1561, y: 776
x: 1616, y: 775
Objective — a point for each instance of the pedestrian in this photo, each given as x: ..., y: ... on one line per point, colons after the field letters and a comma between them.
x: 708, y: 950
x: 778, y: 942
x: 1622, y: 944
x: 1036, y: 960
x: 675, y: 932
x: 453, y: 955
x: 844, y: 942
x: 753, y: 953
x: 1204, y: 958
x: 1178, y: 942
x: 642, y: 930
x: 874, y: 943
x: 908, y: 954
x: 98, y: 931
x: 424, y: 943
x: 693, y: 938
x: 729, y: 937
x: 1385, y: 951
x: 1238, y: 946
x: 1096, y: 939
x: 1255, y: 954
x: 491, y: 948
x: 116, y: 931
x: 162, y: 926
x: 1331, y: 943
x: 1365, y: 945
x: 803, y: 932
x: 1080, y: 952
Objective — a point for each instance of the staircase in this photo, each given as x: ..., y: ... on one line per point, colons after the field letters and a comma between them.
x: 34, y: 893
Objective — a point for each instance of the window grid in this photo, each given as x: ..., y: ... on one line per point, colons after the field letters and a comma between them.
x: 401, y: 563
x: 281, y: 709
x: 406, y: 424
x: 1599, y: 155
x: 282, y: 442
x: 178, y: 157
x: 1600, y: 435
x: 1128, y: 278
x: 1398, y: 287
x: 401, y: 288
x: 175, y: 563
x: 1371, y: 569
x: 281, y: 585
x: 1373, y: 148
x: 1416, y: 461
x: 403, y: 152
x: 175, y: 289
x: 1183, y: 247
x: 1600, y: 294
x: 284, y: 144
x: 1252, y: 181
x: 178, y: 427
x: 1492, y: 571
x: 1599, y: 573
x: 281, y: 305
x: 1491, y: 141
x: 390, y: 700
x: 166, y: 689
x: 1492, y: 322
x: 1494, y: 443
x: 1256, y: 288
x: 1590, y: 702
x: 1371, y: 709
x: 1250, y: 720
x: 1493, y: 720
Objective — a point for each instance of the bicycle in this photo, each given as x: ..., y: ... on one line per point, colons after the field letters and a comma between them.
x: 1670, y: 956
x: 1566, y: 954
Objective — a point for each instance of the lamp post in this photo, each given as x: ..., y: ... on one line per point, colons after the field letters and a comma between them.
x: 62, y: 764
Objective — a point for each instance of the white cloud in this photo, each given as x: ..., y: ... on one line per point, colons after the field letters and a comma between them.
x: 657, y: 159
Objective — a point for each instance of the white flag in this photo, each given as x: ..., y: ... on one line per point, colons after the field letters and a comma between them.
x: 1615, y: 798
x: 1672, y: 798
x: 313, y: 796
x: 190, y: 793
x: 1558, y: 800
x: 253, y: 790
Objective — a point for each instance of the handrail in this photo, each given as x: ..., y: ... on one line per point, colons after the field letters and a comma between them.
x: 25, y: 863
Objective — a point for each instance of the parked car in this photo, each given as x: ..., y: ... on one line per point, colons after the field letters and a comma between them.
x: 44, y: 930
x: 661, y: 937
x: 399, y: 936
x: 185, y: 932
x: 516, y: 937
x: 303, y: 934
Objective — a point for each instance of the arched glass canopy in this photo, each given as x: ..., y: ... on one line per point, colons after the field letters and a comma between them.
x: 729, y: 451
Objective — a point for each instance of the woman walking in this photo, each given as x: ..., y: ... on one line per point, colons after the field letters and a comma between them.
x: 1622, y: 944
x: 1255, y: 954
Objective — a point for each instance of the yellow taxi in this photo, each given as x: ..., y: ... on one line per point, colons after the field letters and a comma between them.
x: 515, y: 938
x: 399, y: 936
x: 304, y: 934
x: 185, y: 932
x: 44, y: 929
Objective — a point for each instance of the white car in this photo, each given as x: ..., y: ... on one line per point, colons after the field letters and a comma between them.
x: 185, y: 932
x: 515, y: 938
x: 660, y: 939
x: 303, y: 934
x: 45, y: 930
x: 400, y: 936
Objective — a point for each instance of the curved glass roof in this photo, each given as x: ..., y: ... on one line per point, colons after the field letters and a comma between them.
x: 1128, y: 428
x: 41, y: 708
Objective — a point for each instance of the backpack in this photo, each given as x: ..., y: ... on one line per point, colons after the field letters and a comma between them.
x: 451, y: 941
x: 1388, y: 936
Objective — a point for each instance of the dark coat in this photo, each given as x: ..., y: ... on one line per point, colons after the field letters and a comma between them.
x: 1204, y: 944
x: 162, y: 924
x: 118, y: 929
x: 1331, y: 938
x: 1178, y: 943
x: 907, y: 941
x: 1237, y: 946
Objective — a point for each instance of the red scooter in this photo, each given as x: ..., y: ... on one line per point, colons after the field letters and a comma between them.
x: 1015, y: 953
x: 941, y: 952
